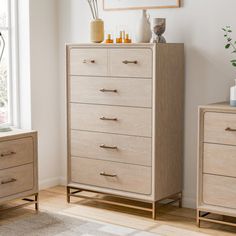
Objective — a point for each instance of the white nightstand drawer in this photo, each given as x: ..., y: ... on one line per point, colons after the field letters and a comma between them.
x: 125, y: 177
x: 16, y: 180
x: 16, y: 152
x: 88, y: 61
x: 111, y: 91
x: 119, y: 120
x: 219, y: 191
x: 131, y: 63
x: 112, y: 147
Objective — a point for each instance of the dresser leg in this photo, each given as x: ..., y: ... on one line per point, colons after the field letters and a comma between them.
x: 154, y: 208
x: 68, y: 194
x: 198, y: 220
x: 36, y: 205
x: 180, y: 200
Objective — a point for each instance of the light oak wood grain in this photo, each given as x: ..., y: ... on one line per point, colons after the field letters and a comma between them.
x: 129, y: 92
x: 219, y: 159
x: 16, y: 152
x: 24, y: 180
x: 219, y: 191
x: 131, y: 178
x: 130, y: 121
x: 143, y: 68
x: 91, y: 61
x: 134, y: 150
x: 215, y: 127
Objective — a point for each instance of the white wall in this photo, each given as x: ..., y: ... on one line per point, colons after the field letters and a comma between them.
x: 45, y: 104
x: 208, y: 73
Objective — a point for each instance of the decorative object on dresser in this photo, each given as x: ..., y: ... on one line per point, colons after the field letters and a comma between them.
x: 18, y: 167
x: 159, y: 28
x: 143, y: 32
x: 96, y: 25
x: 230, y: 44
x: 216, y: 163
x: 115, y: 5
x: 125, y: 133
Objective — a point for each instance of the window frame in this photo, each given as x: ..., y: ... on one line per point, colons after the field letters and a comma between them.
x: 13, y: 58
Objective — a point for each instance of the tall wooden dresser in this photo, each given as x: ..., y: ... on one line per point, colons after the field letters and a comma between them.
x: 18, y: 167
x: 125, y: 121
x: 217, y: 163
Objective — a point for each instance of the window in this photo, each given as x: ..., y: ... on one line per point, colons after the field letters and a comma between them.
x: 8, y: 59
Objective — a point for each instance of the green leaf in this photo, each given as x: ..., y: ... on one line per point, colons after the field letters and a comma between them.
x: 228, y: 26
x: 234, y: 51
x: 233, y: 61
x: 234, y: 64
x: 226, y: 36
x: 229, y: 39
x: 227, y: 46
x: 230, y: 31
x: 223, y: 29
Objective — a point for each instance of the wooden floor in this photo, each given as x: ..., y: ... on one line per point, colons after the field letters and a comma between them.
x: 170, y: 217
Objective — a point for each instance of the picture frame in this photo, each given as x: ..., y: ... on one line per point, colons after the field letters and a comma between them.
x: 119, y: 5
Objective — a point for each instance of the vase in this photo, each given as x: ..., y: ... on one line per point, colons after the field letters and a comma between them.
x: 143, y: 32
x: 97, y: 31
x: 233, y: 95
x: 159, y: 27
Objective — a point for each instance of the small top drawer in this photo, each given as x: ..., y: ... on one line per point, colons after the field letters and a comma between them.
x: 131, y: 63
x: 220, y: 128
x: 88, y: 61
x: 16, y: 152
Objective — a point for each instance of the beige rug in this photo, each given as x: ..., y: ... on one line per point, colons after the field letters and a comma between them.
x: 51, y: 224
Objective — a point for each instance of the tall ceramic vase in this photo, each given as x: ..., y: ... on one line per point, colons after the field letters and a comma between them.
x: 143, y: 31
x: 97, y: 31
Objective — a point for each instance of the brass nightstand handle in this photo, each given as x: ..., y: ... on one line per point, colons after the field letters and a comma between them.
x: 8, y: 181
x: 230, y: 130
x: 5, y: 154
x: 108, y: 175
x: 130, y: 62
x: 88, y: 61
x: 108, y: 147
x: 109, y: 119
x: 108, y: 90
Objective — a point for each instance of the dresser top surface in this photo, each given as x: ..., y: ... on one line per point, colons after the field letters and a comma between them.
x: 16, y: 132
x: 219, y: 106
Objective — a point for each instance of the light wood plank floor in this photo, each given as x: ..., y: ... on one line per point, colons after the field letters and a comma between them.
x: 54, y: 200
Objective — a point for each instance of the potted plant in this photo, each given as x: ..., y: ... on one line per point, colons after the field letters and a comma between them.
x: 231, y: 44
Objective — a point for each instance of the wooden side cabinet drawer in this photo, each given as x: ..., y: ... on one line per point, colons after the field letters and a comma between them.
x: 16, y: 180
x: 118, y: 176
x: 16, y: 152
x: 88, y: 61
x: 131, y: 63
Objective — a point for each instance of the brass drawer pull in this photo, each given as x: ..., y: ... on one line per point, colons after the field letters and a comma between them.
x: 88, y: 61
x: 108, y: 147
x: 5, y: 154
x: 109, y: 119
x: 108, y: 175
x: 108, y: 90
x: 8, y: 181
x: 230, y: 130
x: 130, y: 62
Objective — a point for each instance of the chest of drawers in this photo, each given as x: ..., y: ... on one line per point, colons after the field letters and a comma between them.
x: 18, y: 166
x: 217, y: 162
x: 125, y: 120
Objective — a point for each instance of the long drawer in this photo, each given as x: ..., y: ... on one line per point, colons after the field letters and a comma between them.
x: 220, y: 128
x: 219, y: 191
x: 219, y: 159
x: 112, y: 147
x: 16, y: 152
x: 120, y: 120
x: 111, y: 91
x: 131, y: 63
x: 124, y: 177
x: 16, y: 180
x: 88, y: 61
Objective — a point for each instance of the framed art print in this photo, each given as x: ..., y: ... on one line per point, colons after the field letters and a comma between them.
x: 115, y: 5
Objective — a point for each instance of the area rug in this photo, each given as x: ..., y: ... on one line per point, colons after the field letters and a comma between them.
x: 51, y: 224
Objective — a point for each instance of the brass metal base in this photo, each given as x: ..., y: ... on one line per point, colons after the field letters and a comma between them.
x: 202, y: 216
x: 28, y: 201
x: 74, y: 192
